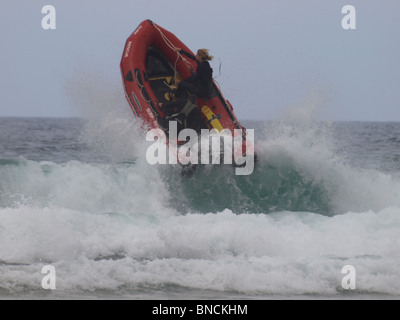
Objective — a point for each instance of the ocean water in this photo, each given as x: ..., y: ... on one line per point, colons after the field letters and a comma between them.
x: 79, y: 195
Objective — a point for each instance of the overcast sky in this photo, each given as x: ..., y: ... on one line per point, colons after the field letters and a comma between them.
x: 275, y: 55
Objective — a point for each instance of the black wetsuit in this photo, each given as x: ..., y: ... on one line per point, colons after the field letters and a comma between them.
x: 199, y: 83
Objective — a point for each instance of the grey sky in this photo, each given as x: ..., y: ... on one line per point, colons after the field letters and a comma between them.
x: 275, y: 55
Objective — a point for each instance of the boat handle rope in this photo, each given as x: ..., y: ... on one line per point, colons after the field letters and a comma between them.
x: 171, y: 45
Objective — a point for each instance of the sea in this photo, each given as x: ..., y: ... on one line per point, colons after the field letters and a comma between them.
x: 83, y: 215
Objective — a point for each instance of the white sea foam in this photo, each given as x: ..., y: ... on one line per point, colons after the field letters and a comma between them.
x: 309, y: 147
x: 279, y: 254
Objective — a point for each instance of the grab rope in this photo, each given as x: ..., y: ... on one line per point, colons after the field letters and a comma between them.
x: 171, y: 45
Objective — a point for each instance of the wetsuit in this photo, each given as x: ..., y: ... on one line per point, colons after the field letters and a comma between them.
x: 199, y: 83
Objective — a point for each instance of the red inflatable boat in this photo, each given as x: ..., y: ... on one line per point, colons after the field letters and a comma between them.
x: 150, y: 67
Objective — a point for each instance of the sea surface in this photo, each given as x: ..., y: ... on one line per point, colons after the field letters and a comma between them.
x: 79, y: 195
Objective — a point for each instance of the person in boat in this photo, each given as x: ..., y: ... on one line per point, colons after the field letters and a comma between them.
x: 200, y: 82
x: 181, y: 107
